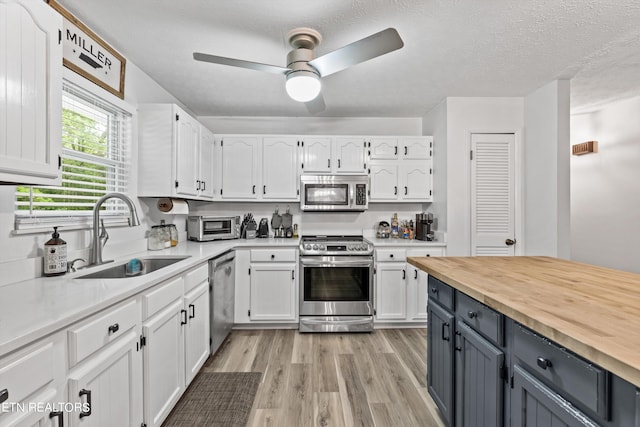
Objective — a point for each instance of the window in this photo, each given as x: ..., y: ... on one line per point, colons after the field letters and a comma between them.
x: 96, y: 137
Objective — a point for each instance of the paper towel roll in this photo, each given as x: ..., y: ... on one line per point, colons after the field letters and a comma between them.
x: 173, y: 206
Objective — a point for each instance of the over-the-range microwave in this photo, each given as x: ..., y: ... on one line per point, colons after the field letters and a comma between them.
x: 204, y: 228
x: 334, y: 193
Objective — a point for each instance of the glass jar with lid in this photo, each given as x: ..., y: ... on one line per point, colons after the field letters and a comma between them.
x: 159, y: 238
x: 173, y: 234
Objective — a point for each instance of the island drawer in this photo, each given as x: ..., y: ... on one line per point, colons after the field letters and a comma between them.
x: 391, y: 255
x: 273, y: 255
x: 567, y: 373
x: 483, y: 319
x: 441, y: 292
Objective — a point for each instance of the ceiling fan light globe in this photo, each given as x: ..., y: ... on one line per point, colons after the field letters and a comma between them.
x: 303, y: 86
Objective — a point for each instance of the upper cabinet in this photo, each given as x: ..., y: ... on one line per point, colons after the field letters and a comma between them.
x: 349, y: 155
x: 175, y: 154
x: 316, y: 154
x: 30, y: 92
x: 339, y: 154
x: 239, y: 156
x: 280, y: 168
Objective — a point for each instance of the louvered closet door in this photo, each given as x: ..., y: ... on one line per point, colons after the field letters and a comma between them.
x: 493, y: 194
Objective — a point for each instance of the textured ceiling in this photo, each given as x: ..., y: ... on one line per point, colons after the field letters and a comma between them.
x: 452, y: 48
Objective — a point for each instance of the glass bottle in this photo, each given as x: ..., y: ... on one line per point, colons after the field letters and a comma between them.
x: 394, y: 226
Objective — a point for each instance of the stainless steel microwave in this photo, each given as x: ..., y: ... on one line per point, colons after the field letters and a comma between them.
x: 205, y: 228
x: 334, y: 193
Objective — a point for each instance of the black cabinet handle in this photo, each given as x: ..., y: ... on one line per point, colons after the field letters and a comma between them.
x: 85, y: 392
x: 114, y: 328
x: 184, y: 317
x: 192, y: 308
x: 458, y: 347
x: 404, y: 274
x: 4, y: 395
x: 434, y: 290
x: 543, y: 363
x: 448, y: 336
x: 59, y: 416
x: 264, y: 189
x: 273, y: 256
x: 405, y: 190
x: 405, y: 150
x: 204, y: 185
x: 293, y: 274
x: 395, y: 150
x: 328, y: 163
x: 253, y: 189
x: 198, y: 185
x: 415, y: 274
x: 472, y: 314
x: 395, y: 190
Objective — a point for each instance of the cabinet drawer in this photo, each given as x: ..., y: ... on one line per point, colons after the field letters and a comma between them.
x: 195, y: 277
x: 273, y: 255
x: 396, y: 254
x: 25, y: 373
x: 441, y: 292
x: 100, y: 330
x: 480, y: 317
x: 161, y: 296
x: 569, y: 374
x: 425, y: 252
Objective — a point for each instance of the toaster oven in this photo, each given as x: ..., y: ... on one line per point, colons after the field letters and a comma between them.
x: 204, y: 228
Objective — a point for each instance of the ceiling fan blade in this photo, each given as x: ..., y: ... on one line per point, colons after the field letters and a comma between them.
x: 363, y: 50
x: 316, y: 105
x: 239, y: 63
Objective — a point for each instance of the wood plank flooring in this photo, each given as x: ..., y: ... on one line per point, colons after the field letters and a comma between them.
x: 375, y: 379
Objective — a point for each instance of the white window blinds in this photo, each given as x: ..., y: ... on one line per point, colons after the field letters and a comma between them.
x: 96, y: 140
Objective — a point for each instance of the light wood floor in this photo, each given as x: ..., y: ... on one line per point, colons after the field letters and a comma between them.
x: 376, y: 379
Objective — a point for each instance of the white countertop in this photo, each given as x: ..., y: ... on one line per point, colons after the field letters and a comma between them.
x: 34, y: 308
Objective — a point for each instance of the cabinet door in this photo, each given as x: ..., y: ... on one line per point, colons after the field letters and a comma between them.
x: 280, y: 168
x: 384, y: 182
x: 440, y: 359
x: 391, y: 291
x: 207, y: 163
x: 30, y: 93
x: 316, y: 155
x: 416, y: 148
x: 349, y: 155
x: 196, y: 348
x: 535, y: 405
x: 187, y: 154
x: 108, y: 385
x: 239, y: 167
x: 163, y: 362
x: 417, y: 293
x: 273, y: 291
x: 479, y: 388
x: 416, y: 181
x: 382, y: 148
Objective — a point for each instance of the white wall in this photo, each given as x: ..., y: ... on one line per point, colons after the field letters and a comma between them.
x: 464, y: 117
x: 21, y: 255
x: 547, y: 207
x: 605, y: 194
x: 435, y: 124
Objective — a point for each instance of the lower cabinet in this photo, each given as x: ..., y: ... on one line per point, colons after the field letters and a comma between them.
x: 440, y: 379
x: 107, y: 386
x: 391, y: 291
x: 533, y: 404
x: 197, y: 333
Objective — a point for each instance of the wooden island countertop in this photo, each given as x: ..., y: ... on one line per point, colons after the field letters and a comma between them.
x: 592, y: 311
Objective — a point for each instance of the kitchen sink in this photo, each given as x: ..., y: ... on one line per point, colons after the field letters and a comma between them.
x: 120, y: 271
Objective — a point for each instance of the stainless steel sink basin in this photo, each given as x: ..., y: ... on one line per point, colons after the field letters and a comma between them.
x: 119, y: 271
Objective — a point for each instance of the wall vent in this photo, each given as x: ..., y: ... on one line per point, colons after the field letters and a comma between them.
x: 584, y: 148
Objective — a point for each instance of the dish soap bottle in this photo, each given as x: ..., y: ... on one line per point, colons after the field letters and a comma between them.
x: 55, y: 255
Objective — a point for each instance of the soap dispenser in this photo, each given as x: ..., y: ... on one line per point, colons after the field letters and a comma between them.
x: 55, y: 255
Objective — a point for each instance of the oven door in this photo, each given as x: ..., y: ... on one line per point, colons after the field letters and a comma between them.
x: 336, y: 286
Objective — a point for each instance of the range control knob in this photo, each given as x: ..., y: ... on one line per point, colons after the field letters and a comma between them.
x: 307, y: 247
x: 321, y: 247
x: 315, y: 247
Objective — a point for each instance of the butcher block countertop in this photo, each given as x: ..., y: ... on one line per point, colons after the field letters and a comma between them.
x: 592, y: 311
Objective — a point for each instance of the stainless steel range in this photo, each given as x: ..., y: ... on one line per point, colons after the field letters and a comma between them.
x: 336, y: 284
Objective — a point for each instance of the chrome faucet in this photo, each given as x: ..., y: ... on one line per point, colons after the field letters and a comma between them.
x: 99, y: 235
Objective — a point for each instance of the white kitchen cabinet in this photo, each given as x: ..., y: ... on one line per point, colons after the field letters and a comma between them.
x: 316, y: 154
x: 30, y: 92
x: 415, y: 148
x: 173, y: 159
x: 391, y: 291
x: 34, y: 375
x: 273, y: 292
x: 418, y: 291
x: 196, y: 345
x: 384, y: 182
x: 207, y: 184
x: 240, y: 160
x: 382, y: 148
x: 349, y: 155
x: 108, y: 384
x: 416, y: 181
x: 163, y: 362
x: 280, y: 168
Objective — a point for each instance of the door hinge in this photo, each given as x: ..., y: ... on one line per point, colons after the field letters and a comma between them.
x: 374, y: 270
x: 430, y: 144
x: 177, y: 117
x: 504, y: 373
x: 430, y: 192
x: 511, y: 381
x: 176, y: 184
x: 249, y: 313
x: 221, y: 191
x: 302, y: 166
x: 59, y: 36
x: 210, y: 340
x: 430, y: 171
x: 375, y: 312
x: 471, y: 155
x: 221, y: 142
x: 249, y: 271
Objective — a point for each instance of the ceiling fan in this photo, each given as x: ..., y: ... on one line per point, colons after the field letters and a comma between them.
x: 303, y: 71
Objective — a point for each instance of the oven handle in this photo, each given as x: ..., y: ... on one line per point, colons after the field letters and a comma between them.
x: 352, y: 262
x: 342, y: 321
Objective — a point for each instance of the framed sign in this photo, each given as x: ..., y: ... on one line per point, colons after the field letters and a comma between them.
x: 90, y: 56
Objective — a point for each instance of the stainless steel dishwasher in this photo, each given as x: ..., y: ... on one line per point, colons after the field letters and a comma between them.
x: 222, y: 274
